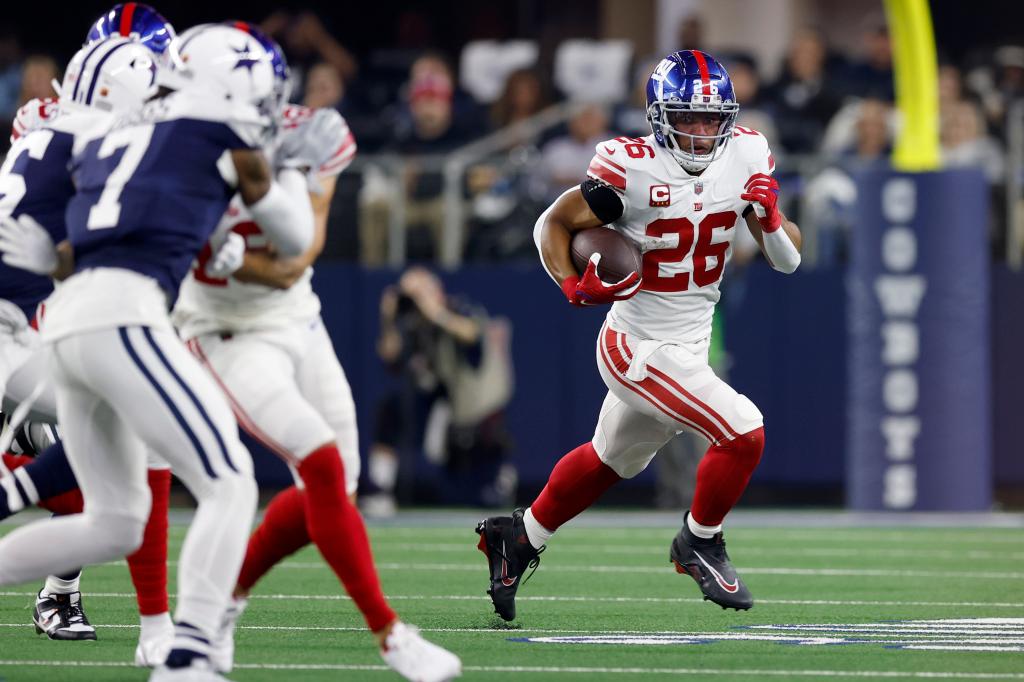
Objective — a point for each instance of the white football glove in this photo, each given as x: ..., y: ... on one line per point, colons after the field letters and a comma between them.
x: 309, y: 145
x: 27, y: 245
x: 228, y: 257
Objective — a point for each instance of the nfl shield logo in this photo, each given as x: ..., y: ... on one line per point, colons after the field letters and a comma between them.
x: 698, y: 187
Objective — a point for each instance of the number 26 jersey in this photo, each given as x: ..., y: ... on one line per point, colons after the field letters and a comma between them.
x: 684, y: 225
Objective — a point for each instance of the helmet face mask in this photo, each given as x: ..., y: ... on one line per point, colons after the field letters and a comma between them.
x: 684, y: 86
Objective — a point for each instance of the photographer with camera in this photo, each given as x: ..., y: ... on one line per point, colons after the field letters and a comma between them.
x: 455, y: 373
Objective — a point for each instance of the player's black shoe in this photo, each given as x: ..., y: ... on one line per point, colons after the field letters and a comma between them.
x: 509, y: 554
x: 706, y: 561
x: 61, y: 616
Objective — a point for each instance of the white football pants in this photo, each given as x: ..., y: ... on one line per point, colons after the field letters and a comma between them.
x: 287, y: 390
x: 22, y: 365
x: 657, y: 389
x: 120, y: 391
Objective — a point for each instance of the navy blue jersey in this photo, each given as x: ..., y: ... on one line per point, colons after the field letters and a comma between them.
x: 35, y: 180
x: 152, y: 189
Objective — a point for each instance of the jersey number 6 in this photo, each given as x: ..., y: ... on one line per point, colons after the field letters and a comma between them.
x: 703, y: 252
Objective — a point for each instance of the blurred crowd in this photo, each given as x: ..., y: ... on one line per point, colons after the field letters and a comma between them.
x: 824, y: 113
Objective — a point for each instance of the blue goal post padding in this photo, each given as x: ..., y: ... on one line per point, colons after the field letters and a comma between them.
x: 919, y: 410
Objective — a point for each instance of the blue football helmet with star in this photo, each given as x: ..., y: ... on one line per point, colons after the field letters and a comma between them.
x: 685, y: 83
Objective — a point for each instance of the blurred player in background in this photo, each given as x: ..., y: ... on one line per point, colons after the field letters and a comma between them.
x: 41, y: 471
x: 151, y: 187
x: 678, y: 194
x: 257, y: 311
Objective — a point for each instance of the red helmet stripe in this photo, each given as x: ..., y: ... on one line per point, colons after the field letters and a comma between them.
x: 702, y: 65
x: 243, y: 26
x: 127, y: 12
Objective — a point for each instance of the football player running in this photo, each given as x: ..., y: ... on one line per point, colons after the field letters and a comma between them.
x: 258, y: 310
x: 47, y: 479
x: 151, y: 187
x: 678, y: 194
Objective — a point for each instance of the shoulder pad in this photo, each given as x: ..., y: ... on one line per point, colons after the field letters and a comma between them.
x: 753, y: 149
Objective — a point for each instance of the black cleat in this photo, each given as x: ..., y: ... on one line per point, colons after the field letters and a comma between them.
x: 61, y: 617
x: 509, y: 554
x: 706, y: 561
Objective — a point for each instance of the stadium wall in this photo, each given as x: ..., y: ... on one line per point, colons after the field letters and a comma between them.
x: 787, y: 348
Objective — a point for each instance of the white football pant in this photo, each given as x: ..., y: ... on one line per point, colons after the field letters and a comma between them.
x: 657, y: 389
x: 119, y: 391
x: 287, y: 390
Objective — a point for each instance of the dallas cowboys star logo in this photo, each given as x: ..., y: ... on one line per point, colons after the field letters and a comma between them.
x: 246, y: 60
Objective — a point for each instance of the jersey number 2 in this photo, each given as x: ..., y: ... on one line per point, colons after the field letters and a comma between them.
x: 134, y: 141
x: 702, y: 253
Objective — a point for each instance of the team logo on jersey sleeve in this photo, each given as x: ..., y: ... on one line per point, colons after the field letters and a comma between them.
x: 660, y: 196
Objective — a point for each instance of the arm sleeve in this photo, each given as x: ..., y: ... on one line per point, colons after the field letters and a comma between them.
x: 781, y: 251
x: 778, y: 247
x: 285, y: 213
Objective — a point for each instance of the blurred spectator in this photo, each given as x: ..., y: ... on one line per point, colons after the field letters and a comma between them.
x: 999, y: 86
x: 805, y: 95
x: 691, y: 33
x: 524, y: 95
x: 324, y: 87
x: 863, y: 130
x: 872, y: 75
x: 429, y: 131
x: 860, y: 135
x: 965, y: 143
x: 630, y: 117
x: 564, y: 160
x: 951, y: 87
x: 754, y: 109
x: 37, y: 76
x: 306, y: 43
x: 456, y: 380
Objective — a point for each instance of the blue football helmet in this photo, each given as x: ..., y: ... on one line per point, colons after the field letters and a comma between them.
x: 137, y: 21
x: 282, y: 76
x: 690, y: 81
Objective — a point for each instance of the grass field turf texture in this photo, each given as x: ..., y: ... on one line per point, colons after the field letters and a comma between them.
x: 607, y: 574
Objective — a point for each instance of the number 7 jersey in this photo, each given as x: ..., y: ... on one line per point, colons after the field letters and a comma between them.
x: 684, y: 225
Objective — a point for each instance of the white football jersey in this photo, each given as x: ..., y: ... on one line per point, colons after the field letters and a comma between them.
x: 206, y: 304
x: 685, y: 226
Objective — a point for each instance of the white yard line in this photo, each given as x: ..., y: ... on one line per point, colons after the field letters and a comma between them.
x: 480, y: 566
x: 603, y: 599
x: 383, y: 545
x: 577, y: 670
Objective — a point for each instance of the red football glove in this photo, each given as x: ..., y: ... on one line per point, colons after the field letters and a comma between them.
x: 590, y: 290
x: 763, y: 192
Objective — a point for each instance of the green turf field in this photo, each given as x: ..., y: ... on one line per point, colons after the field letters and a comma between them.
x: 832, y: 602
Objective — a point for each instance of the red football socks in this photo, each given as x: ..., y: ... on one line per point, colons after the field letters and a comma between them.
x: 148, y: 564
x: 575, y: 483
x: 282, y: 533
x: 337, y: 530
x: 723, y: 474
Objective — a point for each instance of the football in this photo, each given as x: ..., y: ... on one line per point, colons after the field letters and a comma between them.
x: 619, y: 255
